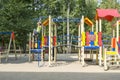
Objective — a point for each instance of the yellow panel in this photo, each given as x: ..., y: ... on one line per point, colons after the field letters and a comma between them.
x: 96, y: 40
x: 111, y: 53
x: 83, y: 39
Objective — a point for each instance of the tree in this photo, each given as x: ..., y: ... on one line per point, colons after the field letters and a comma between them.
x: 21, y: 16
x: 17, y: 16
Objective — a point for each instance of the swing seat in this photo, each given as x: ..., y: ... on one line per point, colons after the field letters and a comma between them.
x: 36, y: 50
x: 91, y: 47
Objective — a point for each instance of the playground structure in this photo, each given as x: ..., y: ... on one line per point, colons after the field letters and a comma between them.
x: 52, y: 56
x: 109, y: 14
x: 91, y: 41
x: 51, y: 41
x: 4, y: 53
x: 39, y: 45
x: 48, y: 42
x: 112, y: 57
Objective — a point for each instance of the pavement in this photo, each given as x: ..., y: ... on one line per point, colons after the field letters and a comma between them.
x: 57, y: 76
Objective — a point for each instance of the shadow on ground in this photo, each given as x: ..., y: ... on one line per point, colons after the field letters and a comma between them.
x: 13, y: 60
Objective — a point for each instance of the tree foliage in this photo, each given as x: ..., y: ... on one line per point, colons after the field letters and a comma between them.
x: 16, y: 16
x: 21, y: 16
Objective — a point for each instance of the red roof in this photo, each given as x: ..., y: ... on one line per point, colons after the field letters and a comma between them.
x: 107, y: 14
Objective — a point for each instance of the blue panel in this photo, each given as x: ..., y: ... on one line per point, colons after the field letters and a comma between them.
x: 65, y: 20
x: 92, y: 33
x: 91, y: 47
x: 36, y: 50
x: 113, y: 49
x: 91, y: 43
x: 39, y: 44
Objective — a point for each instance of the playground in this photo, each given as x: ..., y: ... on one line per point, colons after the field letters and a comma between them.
x: 90, y: 50
x: 59, y: 39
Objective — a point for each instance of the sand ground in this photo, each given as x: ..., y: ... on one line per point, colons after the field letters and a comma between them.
x: 65, y: 63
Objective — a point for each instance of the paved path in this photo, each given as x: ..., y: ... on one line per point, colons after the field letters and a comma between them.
x: 58, y: 76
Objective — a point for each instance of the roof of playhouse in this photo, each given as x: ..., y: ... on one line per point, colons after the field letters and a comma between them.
x: 88, y: 22
x: 107, y: 14
x: 46, y: 22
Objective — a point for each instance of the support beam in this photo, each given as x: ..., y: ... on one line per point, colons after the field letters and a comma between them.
x: 96, y: 25
x: 55, y: 48
x: 68, y: 34
x: 49, y: 40
x: 30, y: 47
x: 92, y: 28
x: 100, y: 50
x: 8, y: 51
x: 82, y: 47
x: 113, y: 32
x: 79, y: 41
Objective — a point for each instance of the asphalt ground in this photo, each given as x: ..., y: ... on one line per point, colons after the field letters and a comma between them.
x: 58, y: 76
